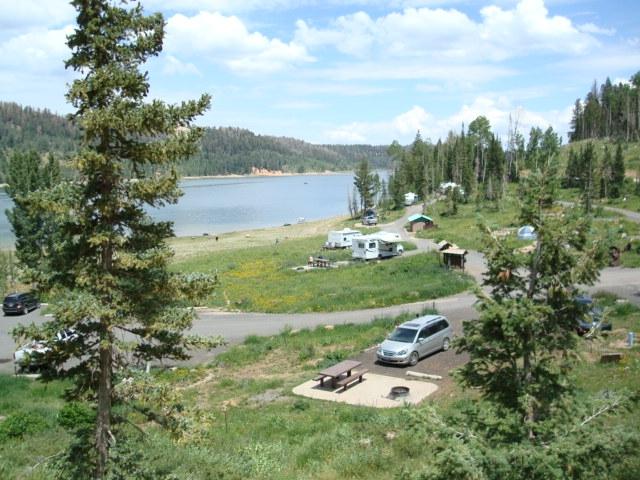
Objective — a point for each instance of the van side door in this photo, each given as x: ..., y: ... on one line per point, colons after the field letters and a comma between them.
x: 424, y: 340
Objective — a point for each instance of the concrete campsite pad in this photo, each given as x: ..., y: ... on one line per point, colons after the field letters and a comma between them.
x: 372, y: 392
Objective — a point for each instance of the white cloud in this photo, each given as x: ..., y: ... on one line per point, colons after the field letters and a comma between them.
x: 27, y: 14
x: 408, y: 70
x: 451, y: 34
x: 173, y: 66
x: 408, y: 123
x: 226, y: 40
x: 404, y: 126
x: 591, y: 28
x: 37, y: 51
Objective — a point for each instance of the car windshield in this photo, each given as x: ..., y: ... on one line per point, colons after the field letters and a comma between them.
x: 405, y: 335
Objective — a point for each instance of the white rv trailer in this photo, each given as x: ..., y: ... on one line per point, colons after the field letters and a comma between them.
x: 410, y: 198
x: 377, y: 245
x: 341, y: 238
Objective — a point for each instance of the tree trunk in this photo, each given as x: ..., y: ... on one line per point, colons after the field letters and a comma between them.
x: 105, y: 387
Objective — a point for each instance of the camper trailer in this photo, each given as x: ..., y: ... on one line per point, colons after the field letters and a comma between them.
x: 341, y: 238
x: 377, y: 245
x: 410, y: 198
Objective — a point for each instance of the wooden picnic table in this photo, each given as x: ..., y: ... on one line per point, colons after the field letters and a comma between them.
x: 336, y: 371
x: 320, y: 262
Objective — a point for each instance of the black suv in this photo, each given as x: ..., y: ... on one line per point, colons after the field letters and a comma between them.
x: 19, y: 303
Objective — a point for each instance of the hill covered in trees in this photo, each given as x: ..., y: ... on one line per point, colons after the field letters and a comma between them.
x: 228, y: 150
x: 608, y: 111
x: 224, y: 150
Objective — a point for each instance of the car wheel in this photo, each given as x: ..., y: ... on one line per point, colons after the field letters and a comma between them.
x: 446, y: 343
x: 413, y: 359
x: 25, y: 310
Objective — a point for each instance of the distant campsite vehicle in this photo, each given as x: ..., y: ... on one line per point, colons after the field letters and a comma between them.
x: 370, y: 217
x: 341, y: 238
x: 446, y: 186
x: 410, y: 198
x: 527, y: 233
x: 377, y: 245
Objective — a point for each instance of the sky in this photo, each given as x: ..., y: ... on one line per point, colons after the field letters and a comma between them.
x: 351, y: 71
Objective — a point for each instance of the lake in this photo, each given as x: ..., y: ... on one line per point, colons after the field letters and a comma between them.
x: 219, y: 205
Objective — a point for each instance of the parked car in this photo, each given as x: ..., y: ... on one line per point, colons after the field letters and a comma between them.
x: 593, y: 317
x: 32, y: 355
x: 415, y: 339
x: 370, y: 217
x: 19, y: 303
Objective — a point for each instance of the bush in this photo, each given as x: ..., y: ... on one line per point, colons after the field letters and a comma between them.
x: 22, y: 423
x: 75, y: 415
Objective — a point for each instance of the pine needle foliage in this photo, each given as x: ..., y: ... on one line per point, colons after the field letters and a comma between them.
x: 521, y: 346
x: 108, y: 278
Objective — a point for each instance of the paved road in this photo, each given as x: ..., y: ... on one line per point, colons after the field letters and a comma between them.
x: 234, y: 327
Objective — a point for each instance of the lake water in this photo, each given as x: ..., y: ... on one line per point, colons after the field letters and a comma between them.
x: 230, y: 204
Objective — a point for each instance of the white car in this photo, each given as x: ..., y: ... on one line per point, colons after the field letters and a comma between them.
x: 31, y: 356
x: 415, y: 339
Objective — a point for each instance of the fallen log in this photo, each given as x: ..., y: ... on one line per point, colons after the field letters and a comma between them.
x: 430, y: 376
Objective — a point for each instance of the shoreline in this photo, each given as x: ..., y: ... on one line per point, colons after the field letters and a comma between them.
x: 265, y: 174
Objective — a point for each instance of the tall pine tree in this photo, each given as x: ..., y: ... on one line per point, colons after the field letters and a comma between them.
x: 32, y: 227
x: 519, y: 347
x: 111, y: 266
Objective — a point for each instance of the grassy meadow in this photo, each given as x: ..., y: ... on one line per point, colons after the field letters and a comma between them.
x: 250, y: 425
x: 462, y: 228
x: 265, y: 279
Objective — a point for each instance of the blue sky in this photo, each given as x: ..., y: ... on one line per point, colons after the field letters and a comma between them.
x: 352, y: 71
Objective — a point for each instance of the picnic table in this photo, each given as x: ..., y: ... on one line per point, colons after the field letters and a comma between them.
x: 320, y: 262
x: 340, y: 373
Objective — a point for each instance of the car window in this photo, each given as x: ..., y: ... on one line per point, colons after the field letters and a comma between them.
x: 405, y: 335
x: 442, y: 324
x: 429, y: 330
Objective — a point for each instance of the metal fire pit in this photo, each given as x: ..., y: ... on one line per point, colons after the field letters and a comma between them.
x: 399, y: 392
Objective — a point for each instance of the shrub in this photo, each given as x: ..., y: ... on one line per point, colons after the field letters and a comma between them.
x: 22, y: 423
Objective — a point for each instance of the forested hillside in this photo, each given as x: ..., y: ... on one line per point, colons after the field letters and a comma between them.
x: 228, y: 150
x: 224, y: 150
x: 608, y: 111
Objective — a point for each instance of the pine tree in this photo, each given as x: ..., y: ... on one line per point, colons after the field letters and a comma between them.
x: 31, y: 227
x: 111, y: 273
x: 519, y: 346
x: 617, y: 173
x: 365, y: 183
x: 587, y: 181
x: 605, y: 174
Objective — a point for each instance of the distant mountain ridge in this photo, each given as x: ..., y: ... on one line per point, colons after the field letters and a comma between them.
x: 224, y: 150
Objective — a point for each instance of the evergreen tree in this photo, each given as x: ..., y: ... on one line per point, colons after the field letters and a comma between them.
x: 617, y: 173
x: 31, y: 227
x: 605, y: 174
x: 520, y: 345
x: 111, y: 274
x: 573, y: 171
x: 396, y: 190
x: 587, y: 180
x: 365, y: 183
x: 495, y: 168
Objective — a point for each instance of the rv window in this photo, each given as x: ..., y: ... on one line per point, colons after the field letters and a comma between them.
x: 372, y: 245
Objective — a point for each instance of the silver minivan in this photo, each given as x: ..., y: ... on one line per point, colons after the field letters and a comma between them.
x: 415, y: 339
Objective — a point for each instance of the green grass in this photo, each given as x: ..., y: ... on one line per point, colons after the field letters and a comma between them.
x: 263, y: 279
x: 288, y: 437
x: 29, y: 431
x: 462, y: 228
